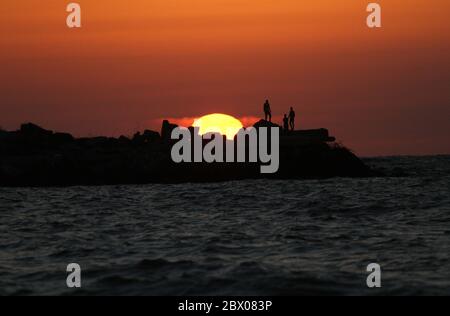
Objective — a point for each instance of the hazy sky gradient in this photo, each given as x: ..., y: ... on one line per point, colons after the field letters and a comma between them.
x: 381, y: 92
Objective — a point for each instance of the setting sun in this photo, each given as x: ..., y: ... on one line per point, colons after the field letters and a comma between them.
x: 218, y: 123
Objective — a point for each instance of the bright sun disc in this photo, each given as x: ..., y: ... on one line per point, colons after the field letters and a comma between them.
x: 218, y: 123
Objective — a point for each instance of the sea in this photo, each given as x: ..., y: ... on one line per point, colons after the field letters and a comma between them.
x: 256, y: 237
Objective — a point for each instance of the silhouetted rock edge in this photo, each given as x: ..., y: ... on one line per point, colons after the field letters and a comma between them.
x: 33, y: 156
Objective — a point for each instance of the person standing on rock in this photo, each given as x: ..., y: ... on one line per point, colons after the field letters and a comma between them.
x: 285, y: 123
x: 267, y: 111
x: 292, y: 119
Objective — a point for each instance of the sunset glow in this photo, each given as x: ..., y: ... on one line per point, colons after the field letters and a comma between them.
x: 145, y: 61
x: 218, y: 123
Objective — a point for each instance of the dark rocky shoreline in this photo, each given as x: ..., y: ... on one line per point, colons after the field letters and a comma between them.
x: 33, y: 156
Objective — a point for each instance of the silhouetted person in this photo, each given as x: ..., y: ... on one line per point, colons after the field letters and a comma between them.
x: 292, y: 119
x: 285, y: 123
x: 267, y: 111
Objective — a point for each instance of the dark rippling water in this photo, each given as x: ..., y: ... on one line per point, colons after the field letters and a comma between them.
x: 234, y: 238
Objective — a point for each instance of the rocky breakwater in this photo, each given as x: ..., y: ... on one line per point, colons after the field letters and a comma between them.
x: 33, y: 156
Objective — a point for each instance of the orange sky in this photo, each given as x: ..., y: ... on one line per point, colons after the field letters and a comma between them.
x: 381, y: 92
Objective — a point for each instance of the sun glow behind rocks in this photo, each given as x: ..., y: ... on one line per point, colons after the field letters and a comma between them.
x: 218, y: 123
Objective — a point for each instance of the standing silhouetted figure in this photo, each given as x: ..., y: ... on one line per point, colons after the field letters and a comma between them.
x: 286, y: 123
x: 267, y: 111
x: 292, y: 119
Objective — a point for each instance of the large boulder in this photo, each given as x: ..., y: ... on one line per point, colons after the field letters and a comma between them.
x: 123, y: 140
x: 33, y: 130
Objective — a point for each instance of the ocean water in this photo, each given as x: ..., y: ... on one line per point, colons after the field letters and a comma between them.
x: 234, y: 238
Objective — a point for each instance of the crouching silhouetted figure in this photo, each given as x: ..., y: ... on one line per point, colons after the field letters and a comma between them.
x: 292, y: 119
x: 267, y: 111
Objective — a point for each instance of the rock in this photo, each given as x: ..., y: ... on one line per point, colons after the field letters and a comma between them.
x: 124, y: 140
x: 137, y: 139
x: 148, y: 137
x: 166, y: 130
x: 62, y: 138
x: 321, y: 133
x: 3, y: 135
x: 264, y: 123
x: 100, y: 141
x: 151, y: 136
x: 303, y: 137
x: 33, y: 130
